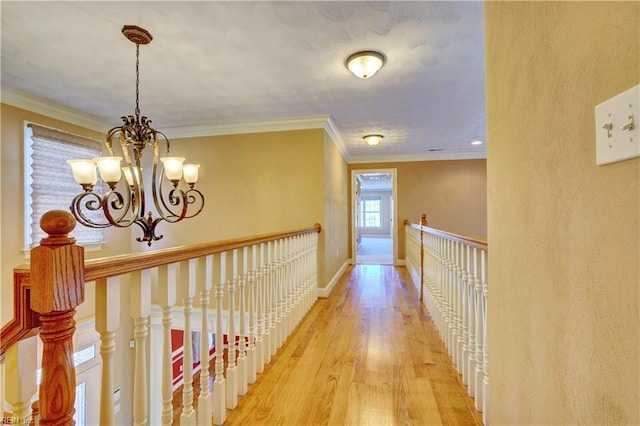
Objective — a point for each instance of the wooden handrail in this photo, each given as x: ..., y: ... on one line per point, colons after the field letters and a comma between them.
x: 118, y: 265
x: 26, y: 322
x: 471, y: 241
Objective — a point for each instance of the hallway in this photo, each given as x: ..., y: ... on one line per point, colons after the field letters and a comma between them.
x: 368, y: 355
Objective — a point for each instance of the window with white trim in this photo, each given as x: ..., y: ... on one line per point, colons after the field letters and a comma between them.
x: 370, y: 211
x: 49, y: 183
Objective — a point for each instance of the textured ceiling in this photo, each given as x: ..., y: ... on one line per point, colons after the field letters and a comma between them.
x: 237, y: 63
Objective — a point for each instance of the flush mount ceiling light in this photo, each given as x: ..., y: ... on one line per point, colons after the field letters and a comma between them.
x: 366, y: 63
x: 372, y: 139
x: 124, y: 203
x: 476, y: 143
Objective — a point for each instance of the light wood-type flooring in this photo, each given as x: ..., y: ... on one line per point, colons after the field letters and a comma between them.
x: 367, y: 355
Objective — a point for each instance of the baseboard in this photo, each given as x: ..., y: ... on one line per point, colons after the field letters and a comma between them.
x: 324, y: 292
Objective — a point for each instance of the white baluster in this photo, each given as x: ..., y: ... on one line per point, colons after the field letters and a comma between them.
x: 485, y: 351
x: 260, y: 307
x: 251, y: 344
x: 21, y: 367
x: 314, y: 267
x: 232, y: 372
x: 297, y: 282
x: 107, y: 323
x: 459, y: 304
x: 479, y: 338
x: 219, y: 385
x: 242, y: 342
x: 451, y: 285
x: 167, y: 279
x: 188, y: 416
x: 473, y: 305
x: 140, y: 311
x: 268, y: 309
x: 439, y: 276
x: 205, y: 279
x: 466, y: 312
x: 286, y: 287
x: 277, y: 296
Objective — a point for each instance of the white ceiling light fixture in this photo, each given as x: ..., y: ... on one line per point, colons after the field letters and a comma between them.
x: 366, y: 63
x: 476, y: 143
x: 373, y: 139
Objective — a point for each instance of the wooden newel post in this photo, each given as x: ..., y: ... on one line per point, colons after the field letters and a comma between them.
x: 57, y: 287
x: 423, y: 219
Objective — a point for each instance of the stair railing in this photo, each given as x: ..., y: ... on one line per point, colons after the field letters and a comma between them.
x: 253, y: 292
x: 450, y: 270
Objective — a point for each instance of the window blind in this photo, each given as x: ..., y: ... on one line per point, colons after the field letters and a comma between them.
x: 50, y: 181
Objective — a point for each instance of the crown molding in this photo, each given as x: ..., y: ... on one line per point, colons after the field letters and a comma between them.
x: 432, y: 156
x: 278, y: 125
x: 325, y: 122
x: 41, y: 106
x: 333, y: 132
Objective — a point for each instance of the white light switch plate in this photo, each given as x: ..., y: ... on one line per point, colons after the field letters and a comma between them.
x: 618, y: 144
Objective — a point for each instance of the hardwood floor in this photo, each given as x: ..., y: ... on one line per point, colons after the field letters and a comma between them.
x: 367, y: 355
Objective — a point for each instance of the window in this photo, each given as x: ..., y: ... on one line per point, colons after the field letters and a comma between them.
x: 49, y: 183
x: 370, y: 211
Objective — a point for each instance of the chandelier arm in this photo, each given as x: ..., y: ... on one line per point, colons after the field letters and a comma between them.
x: 176, y: 198
x: 138, y: 192
x: 164, y: 210
x: 117, y: 204
x: 194, y: 197
x: 91, y: 205
x: 166, y: 139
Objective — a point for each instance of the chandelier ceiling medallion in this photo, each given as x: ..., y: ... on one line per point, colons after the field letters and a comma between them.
x: 124, y: 203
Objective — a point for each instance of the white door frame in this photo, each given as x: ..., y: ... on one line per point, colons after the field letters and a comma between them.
x: 394, y: 225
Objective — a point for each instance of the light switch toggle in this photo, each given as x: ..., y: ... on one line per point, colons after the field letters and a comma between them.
x: 617, y: 129
x: 630, y: 124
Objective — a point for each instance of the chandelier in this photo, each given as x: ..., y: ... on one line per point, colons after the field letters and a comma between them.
x: 124, y: 203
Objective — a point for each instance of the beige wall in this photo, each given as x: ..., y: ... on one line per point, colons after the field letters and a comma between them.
x: 335, y: 231
x: 453, y: 194
x: 564, y: 326
x: 266, y: 182
x: 253, y: 184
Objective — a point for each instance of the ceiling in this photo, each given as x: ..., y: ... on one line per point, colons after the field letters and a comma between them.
x: 235, y: 67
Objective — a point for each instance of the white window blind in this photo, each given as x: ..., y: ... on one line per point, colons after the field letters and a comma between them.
x: 49, y: 182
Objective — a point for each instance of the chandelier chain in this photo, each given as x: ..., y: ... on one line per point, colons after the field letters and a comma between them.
x: 137, y: 81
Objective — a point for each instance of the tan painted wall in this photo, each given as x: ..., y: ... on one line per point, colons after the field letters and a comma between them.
x: 451, y: 193
x: 564, y: 233
x: 335, y: 226
x: 253, y: 184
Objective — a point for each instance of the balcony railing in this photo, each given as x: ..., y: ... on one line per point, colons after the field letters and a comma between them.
x: 250, y: 294
x: 451, y: 273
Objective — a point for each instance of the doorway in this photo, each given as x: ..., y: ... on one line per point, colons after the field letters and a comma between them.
x: 374, y: 220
